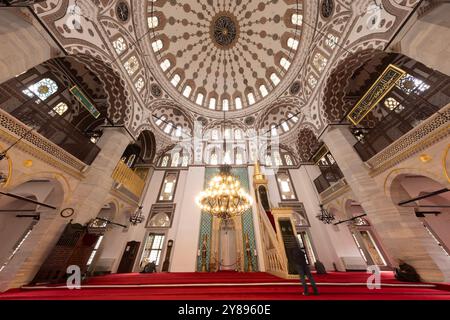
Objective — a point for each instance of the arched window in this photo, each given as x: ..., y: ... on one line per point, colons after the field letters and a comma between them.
x: 178, y: 132
x: 213, y: 159
x: 273, y: 130
x: 268, y: 160
x: 187, y: 91
x: 175, y: 160
x: 157, y: 45
x: 263, y: 90
x: 251, y: 98
x: 153, y: 22
x: 185, y: 160
x: 292, y: 43
x: 225, y: 104
x: 212, y: 103
x: 288, y: 160
x: 293, y: 117
x: 274, y: 78
x: 160, y: 120
x: 165, y: 161
x: 238, y: 103
x: 165, y: 65
x: 285, y: 126
x: 199, y: 100
x: 285, y: 63
x: 297, y: 19
x: 239, y: 158
x: 168, y: 128
x: 277, y: 158
x: 227, y: 158
x: 175, y: 80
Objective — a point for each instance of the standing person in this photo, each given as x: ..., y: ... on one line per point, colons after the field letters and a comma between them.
x: 299, y: 259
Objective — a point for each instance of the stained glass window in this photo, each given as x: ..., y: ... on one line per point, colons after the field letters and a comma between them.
x: 139, y: 84
x: 132, y: 65
x: 331, y: 41
x: 168, y: 187
x: 409, y: 84
x: 60, y: 108
x: 119, y: 45
x: 391, y: 103
x: 285, y: 185
x: 42, y: 89
x: 312, y: 81
x: 319, y: 62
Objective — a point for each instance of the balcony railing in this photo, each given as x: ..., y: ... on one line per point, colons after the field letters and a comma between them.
x: 330, y: 175
x: 12, y: 130
x: 57, y: 130
x: 128, y: 179
x: 412, y: 110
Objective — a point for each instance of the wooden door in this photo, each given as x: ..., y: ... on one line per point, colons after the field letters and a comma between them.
x: 129, y: 257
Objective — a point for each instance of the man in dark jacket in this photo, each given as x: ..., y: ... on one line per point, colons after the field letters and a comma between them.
x: 299, y: 259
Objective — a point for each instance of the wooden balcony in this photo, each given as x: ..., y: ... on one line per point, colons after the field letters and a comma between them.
x: 131, y: 180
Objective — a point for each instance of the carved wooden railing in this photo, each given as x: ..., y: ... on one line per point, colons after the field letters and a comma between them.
x: 425, y: 134
x: 127, y: 178
x: 275, y: 261
x: 37, y: 145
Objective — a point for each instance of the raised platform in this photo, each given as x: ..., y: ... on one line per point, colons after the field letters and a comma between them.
x: 231, y: 286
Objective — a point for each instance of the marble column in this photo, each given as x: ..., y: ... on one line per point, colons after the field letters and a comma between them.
x: 401, y: 232
x: 92, y: 192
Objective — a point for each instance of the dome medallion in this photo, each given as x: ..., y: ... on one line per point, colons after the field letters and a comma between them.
x: 231, y: 55
x: 224, y: 30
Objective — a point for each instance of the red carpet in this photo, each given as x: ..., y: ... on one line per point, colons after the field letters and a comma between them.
x: 231, y: 286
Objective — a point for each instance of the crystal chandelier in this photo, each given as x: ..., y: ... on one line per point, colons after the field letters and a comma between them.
x: 325, y: 216
x: 224, y: 198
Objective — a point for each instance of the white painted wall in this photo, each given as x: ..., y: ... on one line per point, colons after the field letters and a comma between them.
x: 184, y: 255
x: 440, y: 224
x: 325, y: 245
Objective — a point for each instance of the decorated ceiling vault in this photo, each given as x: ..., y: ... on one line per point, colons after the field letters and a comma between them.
x: 261, y: 64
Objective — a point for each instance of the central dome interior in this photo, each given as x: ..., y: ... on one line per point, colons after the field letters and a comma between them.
x: 226, y: 55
